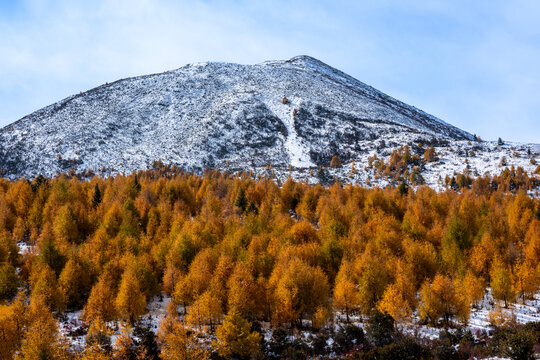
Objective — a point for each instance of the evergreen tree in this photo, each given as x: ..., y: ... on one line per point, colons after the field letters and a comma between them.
x: 96, y: 198
x: 241, y: 199
x: 235, y: 338
x: 380, y: 329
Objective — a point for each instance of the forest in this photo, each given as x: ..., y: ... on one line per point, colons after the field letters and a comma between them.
x: 251, y: 265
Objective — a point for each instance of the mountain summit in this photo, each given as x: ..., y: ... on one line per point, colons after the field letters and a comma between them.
x: 297, y: 112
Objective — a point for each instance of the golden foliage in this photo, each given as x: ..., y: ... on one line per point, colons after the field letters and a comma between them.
x: 442, y: 298
x: 177, y: 343
x: 100, y: 303
x: 394, y: 303
x: 130, y: 301
x: 501, y: 282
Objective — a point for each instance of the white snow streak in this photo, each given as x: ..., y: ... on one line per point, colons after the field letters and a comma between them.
x: 297, y: 150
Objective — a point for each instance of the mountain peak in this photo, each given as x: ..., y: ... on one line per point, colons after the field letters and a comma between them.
x: 305, y: 59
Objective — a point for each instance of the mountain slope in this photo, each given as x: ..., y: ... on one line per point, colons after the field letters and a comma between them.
x: 297, y: 112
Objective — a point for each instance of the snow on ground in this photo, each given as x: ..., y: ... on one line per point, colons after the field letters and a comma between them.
x: 74, y: 328
x: 483, y: 159
x: 298, y: 152
x: 25, y: 248
x: 156, y: 311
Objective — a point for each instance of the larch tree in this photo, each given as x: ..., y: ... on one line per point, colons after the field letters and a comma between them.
x: 372, y: 281
x: 206, y: 310
x: 220, y: 276
x: 245, y: 293
x: 9, y: 281
x: 130, y: 301
x: 42, y: 339
x: 9, y: 252
x: 98, y: 337
x: 442, y: 298
x: 197, y: 280
x: 532, y: 242
x: 65, y: 225
x: 171, y: 277
x: 177, y: 342
x: 74, y: 283
x: 49, y: 252
x: 95, y: 353
x: 474, y: 287
x: 101, y: 302
x: 335, y: 162
x: 129, y: 225
x: 298, y: 290
x: 45, y: 287
x: 124, y: 347
x: 526, y: 280
x: 394, y: 303
x: 430, y: 154
x: 501, y: 282
x: 346, y: 296
x: 13, y: 322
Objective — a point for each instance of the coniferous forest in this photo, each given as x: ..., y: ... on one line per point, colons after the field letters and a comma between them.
x: 246, y: 267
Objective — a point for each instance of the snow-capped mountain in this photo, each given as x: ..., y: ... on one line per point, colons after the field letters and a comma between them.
x: 297, y: 112
x: 287, y: 116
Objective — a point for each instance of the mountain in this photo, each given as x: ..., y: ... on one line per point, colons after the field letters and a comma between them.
x: 297, y: 112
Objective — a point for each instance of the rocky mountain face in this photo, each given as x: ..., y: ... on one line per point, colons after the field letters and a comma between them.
x: 294, y: 114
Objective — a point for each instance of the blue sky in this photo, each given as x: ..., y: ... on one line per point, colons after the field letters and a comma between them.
x: 474, y: 64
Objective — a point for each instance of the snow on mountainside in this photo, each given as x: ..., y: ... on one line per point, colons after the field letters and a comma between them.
x: 298, y: 112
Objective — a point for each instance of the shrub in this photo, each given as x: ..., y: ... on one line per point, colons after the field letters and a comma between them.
x: 406, y: 349
x: 515, y: 343
x: 348, y: 337
x: 335, y: 163
x: 430, y: 155
x: 380, y: 329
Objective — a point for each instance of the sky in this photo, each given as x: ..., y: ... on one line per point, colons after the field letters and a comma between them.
x: 474, y: 64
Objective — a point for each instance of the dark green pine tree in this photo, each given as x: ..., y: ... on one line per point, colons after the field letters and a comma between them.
x: 51, y: 256
x: 403, y: 188
x: 453, y: 184
x: 241, y: 200
x: 97, y: 196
